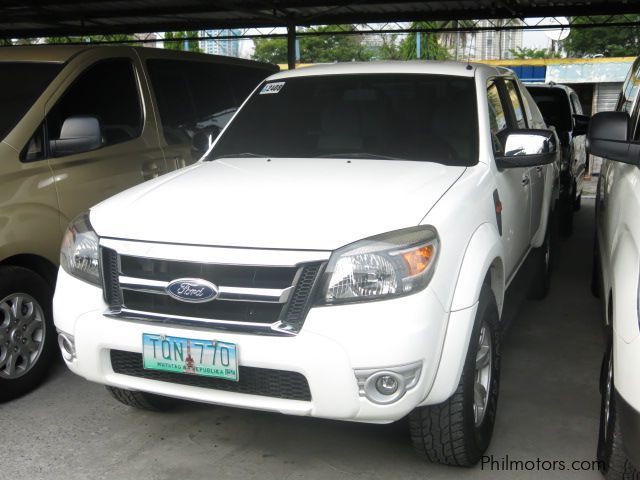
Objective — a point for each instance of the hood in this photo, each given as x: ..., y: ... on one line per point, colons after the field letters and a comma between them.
x: 284, y: 203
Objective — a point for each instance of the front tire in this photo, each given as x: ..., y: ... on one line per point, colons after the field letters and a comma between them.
x: 142, y: 400
x: 27, y: 334
x: 458, y: 431
x: 614, y: 462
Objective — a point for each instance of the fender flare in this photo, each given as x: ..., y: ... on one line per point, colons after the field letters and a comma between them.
x: 483, y: 257
x: 624, y: 286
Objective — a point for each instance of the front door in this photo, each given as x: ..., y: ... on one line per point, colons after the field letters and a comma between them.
x: 111, y: 90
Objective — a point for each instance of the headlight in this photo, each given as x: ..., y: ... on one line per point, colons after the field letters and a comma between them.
x: 79, y: 252
x: 392, y: 264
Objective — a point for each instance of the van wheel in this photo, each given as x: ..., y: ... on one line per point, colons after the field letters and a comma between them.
x: 142, y: 400
x: 27, y: 334
x: 542, y: 263
x: 458, y: 431
x: 614, y: 462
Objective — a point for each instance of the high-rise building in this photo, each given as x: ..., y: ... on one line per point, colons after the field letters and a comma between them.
x: 225, y: 46
x: 496, y: 45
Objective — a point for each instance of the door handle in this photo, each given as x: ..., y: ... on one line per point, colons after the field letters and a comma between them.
x: 525, y: 180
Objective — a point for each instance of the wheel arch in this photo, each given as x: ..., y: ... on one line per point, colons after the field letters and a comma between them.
x: 35, y: 263
x: 483, y: 262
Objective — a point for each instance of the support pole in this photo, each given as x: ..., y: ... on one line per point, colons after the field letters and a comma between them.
x: 291, y: 46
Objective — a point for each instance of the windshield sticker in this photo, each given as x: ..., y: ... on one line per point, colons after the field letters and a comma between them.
x: 272, y: 88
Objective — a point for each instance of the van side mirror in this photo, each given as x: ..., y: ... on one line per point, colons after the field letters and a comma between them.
x: 527, y: 148
x: 79, y: 133
x: 580, y: 124
x: 608, y: 137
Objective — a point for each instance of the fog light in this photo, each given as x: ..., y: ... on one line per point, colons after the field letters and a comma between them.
x: 67, y: 346
x: 387, y: 385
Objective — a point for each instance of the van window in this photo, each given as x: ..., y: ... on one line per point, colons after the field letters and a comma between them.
x: 191, y: 97
x: 21, y: 83
x: 107, y: 90
x: 431, y: 118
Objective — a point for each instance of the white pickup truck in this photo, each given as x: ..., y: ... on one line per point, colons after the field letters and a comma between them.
x: 342, y: 251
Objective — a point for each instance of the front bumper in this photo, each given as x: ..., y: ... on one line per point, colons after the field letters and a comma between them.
x: 334, y: 343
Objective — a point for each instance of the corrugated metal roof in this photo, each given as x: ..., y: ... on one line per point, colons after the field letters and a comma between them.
x: 37, y: 18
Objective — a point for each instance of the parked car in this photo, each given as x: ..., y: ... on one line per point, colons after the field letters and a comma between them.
x: 616, y: 136
x: 560, y: 107
x: 77, y: 125
x: 345, y: 260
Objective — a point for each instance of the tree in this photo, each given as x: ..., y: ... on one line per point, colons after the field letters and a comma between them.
x: 607, y: 41
x: 332, y: 46
x: 430, y: 48
x: 175, y: 41
x: 526, y: 53
x: 91, y: 38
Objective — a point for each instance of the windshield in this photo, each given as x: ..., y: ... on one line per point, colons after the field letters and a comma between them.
x: 387, y: 116
x: 21, y: 83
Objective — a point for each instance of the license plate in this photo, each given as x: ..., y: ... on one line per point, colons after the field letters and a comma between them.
x: 207, y: 358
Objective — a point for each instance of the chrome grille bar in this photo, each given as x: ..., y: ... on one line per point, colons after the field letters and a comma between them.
x: 245, y: 294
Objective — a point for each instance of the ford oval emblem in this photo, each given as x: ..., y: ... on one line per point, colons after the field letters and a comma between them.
x: 193, y: 290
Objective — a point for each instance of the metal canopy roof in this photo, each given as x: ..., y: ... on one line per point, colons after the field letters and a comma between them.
x: 37, y: 18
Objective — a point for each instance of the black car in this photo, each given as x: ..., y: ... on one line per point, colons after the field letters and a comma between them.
x: 560, y: 107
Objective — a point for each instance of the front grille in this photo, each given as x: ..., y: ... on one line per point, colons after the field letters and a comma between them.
x: 252, y: 381
x: 111, y: 290
x: 229, y: 275
x: 257, y: 296
x: 253, y: 312
x: 296, y: 310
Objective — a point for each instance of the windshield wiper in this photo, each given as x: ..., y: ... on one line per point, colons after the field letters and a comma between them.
x: 359, y: 155
x: 238, y: 155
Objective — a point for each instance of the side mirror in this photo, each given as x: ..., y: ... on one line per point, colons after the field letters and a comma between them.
x: 580, y: 124
x: 608, y: 137
x: 203, y: 139
x: 529, y: 147
x: 79, y: 133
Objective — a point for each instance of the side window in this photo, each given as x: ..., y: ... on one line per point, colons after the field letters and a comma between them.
x: 35, y: 149
x: 497, y: 117
x: 107, y: 90
x: 514, y: 98
x: 192, y: 97
x: 577, y: 107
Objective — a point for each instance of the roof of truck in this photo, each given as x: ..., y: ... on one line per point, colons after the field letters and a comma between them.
x: 461, y: 69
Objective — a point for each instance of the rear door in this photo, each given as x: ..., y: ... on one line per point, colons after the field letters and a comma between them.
x: 113, y: 90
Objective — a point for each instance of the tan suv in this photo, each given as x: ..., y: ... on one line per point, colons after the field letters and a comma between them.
x: 77, y: 125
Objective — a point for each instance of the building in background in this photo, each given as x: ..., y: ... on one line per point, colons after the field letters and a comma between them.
x: 150, y: 39
x: 229, y: 47
x: 496, y: 45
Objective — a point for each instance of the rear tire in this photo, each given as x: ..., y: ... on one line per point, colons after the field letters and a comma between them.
x: 458, y: 431
x: 27, y: 334
x: 577, y: 203
x: 542, y: 263
x: 142, y: 400
x: 610, y: 450
x: 565, y: 218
